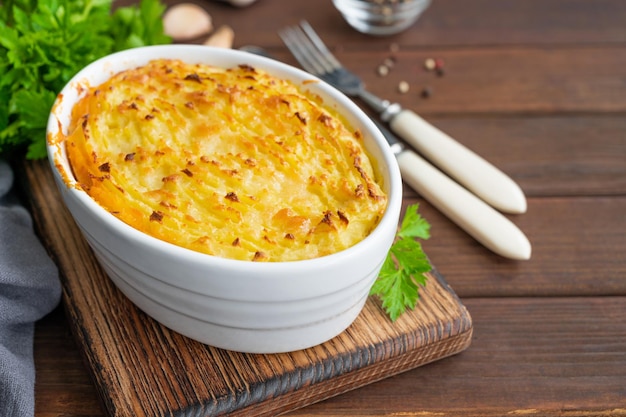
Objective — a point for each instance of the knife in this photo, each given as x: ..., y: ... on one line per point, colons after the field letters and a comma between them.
x: 481, y: 221
x: 461, y: 163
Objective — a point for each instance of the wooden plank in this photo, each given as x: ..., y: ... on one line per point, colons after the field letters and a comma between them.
x: 542, y: 356
x: 514, y: 22
x: 63, y: 386
x: 578, y: 250
x: 445, y: 23
x: 557, y: 156
x: 141, y: 368
x: 488, y: 80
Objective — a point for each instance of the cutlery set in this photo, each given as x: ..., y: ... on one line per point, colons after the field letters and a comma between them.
x: 472, y: 194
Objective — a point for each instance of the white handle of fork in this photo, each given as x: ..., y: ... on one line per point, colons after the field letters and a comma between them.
x: 470, y: 213
x: 465, y: 166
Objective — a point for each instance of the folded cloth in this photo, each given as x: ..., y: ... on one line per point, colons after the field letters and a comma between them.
x: 29, y: 289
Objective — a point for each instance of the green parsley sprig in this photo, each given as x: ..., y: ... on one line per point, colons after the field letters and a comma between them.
x: 44, y: 43
x: 405, y: 267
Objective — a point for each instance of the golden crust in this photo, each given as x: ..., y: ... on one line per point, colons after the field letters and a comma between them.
x: 230, y: 162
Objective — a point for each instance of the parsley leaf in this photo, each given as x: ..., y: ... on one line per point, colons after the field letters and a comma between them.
x: 403, y: 271
x: 44, y: 43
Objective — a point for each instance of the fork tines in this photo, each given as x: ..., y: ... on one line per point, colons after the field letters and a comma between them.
x: 309, y: 49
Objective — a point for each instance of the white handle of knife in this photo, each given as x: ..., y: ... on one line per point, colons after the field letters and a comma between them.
x: 465, y: 166
x: 479, y: 220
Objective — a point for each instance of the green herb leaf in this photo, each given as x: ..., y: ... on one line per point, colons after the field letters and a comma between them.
x: 414, y: 225
x: 44, y: 43
x: 405, y: 267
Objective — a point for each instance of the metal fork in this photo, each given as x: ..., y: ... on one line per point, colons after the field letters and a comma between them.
x: 469, y: 169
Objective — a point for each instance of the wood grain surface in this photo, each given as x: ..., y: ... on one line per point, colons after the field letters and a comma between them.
x: 538, y: 88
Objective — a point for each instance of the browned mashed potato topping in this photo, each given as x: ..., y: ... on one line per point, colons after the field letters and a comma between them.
x: 230, y: 162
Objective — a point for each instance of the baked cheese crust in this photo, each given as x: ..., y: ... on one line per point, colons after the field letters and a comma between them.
x: 231, y: 162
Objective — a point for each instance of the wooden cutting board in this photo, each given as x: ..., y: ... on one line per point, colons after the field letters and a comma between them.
x: 142, y: 369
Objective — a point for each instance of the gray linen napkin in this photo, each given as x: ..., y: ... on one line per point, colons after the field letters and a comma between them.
x: 29, y: 289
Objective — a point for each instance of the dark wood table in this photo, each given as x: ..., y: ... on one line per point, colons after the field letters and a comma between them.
x: 538, y: 87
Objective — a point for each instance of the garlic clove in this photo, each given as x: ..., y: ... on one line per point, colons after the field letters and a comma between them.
x: 222, y: 38
x: 186, y: 21
x: 240, y: 3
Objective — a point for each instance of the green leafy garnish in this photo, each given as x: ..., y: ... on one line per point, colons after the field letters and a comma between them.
x: 405, y: 266
x: 44, y: 43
